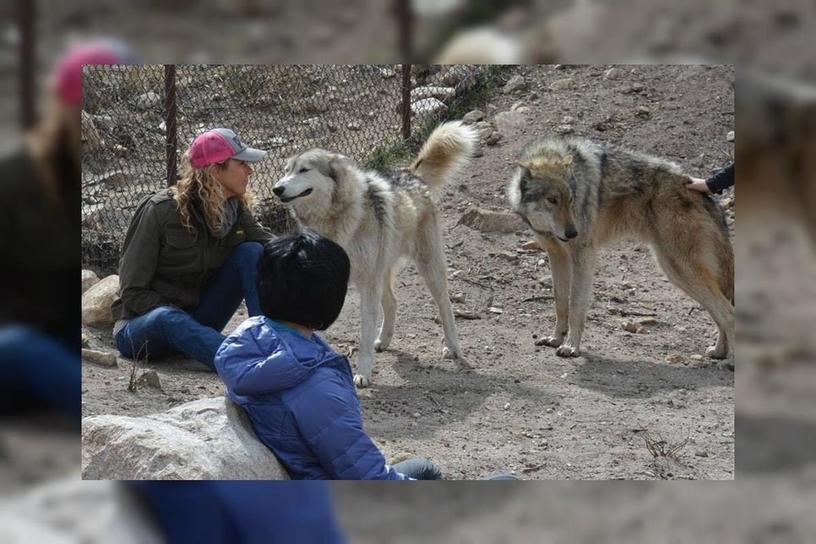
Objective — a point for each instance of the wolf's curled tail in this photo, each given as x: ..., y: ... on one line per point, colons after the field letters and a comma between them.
x: 447, y: 150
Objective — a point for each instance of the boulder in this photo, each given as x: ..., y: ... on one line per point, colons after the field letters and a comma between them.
x: 473, y: 117
x: 490, y: 221
x: 563, y: 84
x: 427, y: 107
x: 442, y: 93
x: 69, y: 510
x: 89, y: 279
x: 96, y: 302
x: 510, y: 122
x: 515, y: 84
x: 148, y: 101
x: 207, y: 439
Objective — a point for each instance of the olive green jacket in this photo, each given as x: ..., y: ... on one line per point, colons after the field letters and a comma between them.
x: 164, y: 263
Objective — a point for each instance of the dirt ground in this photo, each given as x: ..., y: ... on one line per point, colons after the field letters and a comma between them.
x: 515, y: 406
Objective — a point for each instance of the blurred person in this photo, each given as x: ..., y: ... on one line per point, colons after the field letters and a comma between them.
x: 298, y: 392
x: 147, y: 512
x: 240, y: 512
x: 190, y: 255
x: 716, y: 184
x: 40, y: 197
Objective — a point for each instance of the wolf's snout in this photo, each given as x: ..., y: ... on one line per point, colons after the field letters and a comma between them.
x: 278, y: 190
x: 570, y: 233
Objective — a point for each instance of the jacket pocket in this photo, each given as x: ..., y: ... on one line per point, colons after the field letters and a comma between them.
x: 180, y: 252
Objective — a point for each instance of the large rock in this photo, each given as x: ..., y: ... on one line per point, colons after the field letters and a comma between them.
x: 427, y: 107
x: 207, y: 439
x: 96, y: 302
x: 510, y: 122
x: 89, y: 279
x: 490, y: 221
x: 516, y: 84
x: 563, y: 84
x: 69, y: 511
x: 148, y: 101
x: 442, y: 93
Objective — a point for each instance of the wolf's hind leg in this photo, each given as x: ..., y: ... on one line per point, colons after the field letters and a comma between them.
x: 431, y: 265
x: 696, y: 268
x: 389, y: 305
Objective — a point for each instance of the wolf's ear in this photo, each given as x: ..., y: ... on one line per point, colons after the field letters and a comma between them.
x: 525, y: 169
x: 337, y: 165
x: 567, y: 160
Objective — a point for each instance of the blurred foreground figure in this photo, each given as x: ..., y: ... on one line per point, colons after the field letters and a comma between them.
x: 171, y: 512
x: 777, y: 150
x: 40, y: 201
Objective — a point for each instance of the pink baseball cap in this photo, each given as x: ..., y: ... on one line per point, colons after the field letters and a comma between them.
x: 67, y: 74
x: 218, y: 145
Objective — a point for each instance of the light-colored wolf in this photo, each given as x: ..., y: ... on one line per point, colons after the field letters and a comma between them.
x: 380, y: 219
x: 576, y: 195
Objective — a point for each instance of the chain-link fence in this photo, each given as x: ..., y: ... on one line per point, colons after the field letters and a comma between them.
x: 138, y: 120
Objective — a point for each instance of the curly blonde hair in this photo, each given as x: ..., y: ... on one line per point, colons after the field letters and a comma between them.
x: 203, y: 183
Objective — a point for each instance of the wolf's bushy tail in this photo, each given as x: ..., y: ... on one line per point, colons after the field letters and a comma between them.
x: 447, y: 150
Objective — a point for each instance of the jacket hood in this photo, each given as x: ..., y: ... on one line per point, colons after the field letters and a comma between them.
x: 263, y: 356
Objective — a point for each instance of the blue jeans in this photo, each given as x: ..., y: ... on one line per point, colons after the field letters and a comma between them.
x: 168, y: 330
x: 249, y: 512
x: 37, y: 371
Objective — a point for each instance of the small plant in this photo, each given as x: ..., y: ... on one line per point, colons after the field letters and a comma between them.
x: 133, y: 384
x: 665, y: 455
x: 659, y: 447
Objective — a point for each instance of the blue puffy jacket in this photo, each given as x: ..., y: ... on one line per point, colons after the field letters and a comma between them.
x: 300, y: 396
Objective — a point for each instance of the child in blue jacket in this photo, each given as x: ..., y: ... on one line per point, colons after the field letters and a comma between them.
x: 297, y: 391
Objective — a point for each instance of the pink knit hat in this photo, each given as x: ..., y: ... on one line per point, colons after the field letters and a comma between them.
x: 67, y: 74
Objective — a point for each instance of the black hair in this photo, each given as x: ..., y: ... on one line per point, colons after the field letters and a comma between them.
x: 302, y: 279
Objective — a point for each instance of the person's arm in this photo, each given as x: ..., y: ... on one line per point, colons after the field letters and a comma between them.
x: 255, y: 232
x: 329, y: 419
x: 249, y: 367
x: 721, y: 180
x: 138, y: 263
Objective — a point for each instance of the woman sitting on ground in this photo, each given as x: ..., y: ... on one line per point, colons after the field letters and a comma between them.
x: 190, y: 256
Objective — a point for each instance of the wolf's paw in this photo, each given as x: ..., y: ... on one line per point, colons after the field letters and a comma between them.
x: 726, y: 364
x: 448, y: 353
x: 361, y: 381
x: 714, y: 353
x: 551, y: 341
x: 379, y: 345
x: 565, y: 350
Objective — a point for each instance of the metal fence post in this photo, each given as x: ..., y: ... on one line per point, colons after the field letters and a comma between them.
x: 405, y: 19
x: 26, y: 14
x: 406, y: 101
x: 170, y: 111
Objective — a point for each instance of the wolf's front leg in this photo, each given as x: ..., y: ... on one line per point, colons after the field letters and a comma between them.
x: 369, y: 316
x: 561, y: 269
x: 583, y: 270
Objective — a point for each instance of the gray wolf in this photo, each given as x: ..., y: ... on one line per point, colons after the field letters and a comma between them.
x: 576, y: 195
x: 381, y: 219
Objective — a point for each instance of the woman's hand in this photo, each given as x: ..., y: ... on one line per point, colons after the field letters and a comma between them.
x: 698, y: 184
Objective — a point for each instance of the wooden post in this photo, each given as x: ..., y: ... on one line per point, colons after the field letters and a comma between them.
x: 170, y: 111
